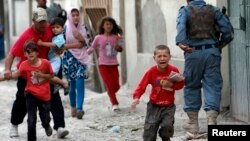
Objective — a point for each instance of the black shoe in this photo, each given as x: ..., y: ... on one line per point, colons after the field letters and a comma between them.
x: 66, y: 91
x: 166, y: 139
x: 48, y: 131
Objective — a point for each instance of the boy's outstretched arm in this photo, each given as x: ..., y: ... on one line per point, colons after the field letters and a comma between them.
x: 2, y: 78
x: 15, y: 75
x: 8, y: 63
x: 135, y: 103
x: 140, y: 90
x: 46, y: 44
x: 73, y: 45
x: 62, y: 82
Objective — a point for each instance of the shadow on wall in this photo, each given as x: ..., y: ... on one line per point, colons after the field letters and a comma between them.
x: 154, y: 27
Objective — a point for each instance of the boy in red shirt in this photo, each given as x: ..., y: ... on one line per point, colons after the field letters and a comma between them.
x: 161, y: 107
x: 38, y: 73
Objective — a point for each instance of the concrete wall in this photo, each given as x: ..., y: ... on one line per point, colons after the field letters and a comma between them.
x: 158, y: 26
x: 226, y: 90
x: 131, y: 43
x: 16, y: 19
x: 158, y: 21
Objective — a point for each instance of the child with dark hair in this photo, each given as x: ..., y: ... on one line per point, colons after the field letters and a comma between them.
x: 165, y: 79
x: 109, y: 43
x: 38, y: 73
x: 57, y: 43
x: 63, y: 14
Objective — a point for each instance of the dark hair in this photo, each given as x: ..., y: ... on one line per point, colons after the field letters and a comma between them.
x: 63, y: 15
x: 162, y: 47
x: 30, y: 46
x: 75, y: 10
x: 116, y: 28
x: 57, y: 21
x: 224, y: 10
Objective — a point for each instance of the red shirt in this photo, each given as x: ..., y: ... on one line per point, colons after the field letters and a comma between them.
x: 38, y: 87
x: 158, y: 95
x: 31, y: 35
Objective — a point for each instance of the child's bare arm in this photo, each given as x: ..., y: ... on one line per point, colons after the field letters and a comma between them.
x: 135, y: 103
x: 15, y: 75
x: 119, y: 44
x: 79, y: 37
x: 73, y: 45
x: 46, y: 44
x: 43, y: 75
x: 57, y: 80
x: 2, y: 78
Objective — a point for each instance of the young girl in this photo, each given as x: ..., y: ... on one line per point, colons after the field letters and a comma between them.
x: 108, y: 42
x: 75, y: 61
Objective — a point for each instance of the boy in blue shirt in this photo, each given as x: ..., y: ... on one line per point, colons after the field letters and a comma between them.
x: 57, y: 43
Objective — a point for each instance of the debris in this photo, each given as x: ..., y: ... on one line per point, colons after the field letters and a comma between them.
x: 115, y: 129
x: 190, y: 136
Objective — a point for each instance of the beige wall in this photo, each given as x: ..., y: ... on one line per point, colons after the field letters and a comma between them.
x: 137, y: 63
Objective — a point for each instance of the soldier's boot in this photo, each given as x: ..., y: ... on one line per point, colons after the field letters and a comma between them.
x: 192, y: 124
x: 211, y: 117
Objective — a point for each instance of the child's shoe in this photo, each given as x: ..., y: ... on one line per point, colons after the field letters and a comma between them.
x: 115, y: 108
x: 61, y: 133
x: 80, y: 114
x: 73, y: 112
x: 66, y: 91
x: 13, y: 131
x: 166, y: 139
x: 48, y: 131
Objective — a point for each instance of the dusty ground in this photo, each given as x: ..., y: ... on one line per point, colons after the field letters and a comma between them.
x: 98, y: 120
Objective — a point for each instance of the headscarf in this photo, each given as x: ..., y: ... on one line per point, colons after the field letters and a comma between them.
x: 79, y: 53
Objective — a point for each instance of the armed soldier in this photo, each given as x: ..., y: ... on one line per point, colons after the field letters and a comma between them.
x: 196, y: 36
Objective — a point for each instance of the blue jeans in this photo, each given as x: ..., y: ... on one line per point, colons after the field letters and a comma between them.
x: 202, y: 70
x: 77, y: 92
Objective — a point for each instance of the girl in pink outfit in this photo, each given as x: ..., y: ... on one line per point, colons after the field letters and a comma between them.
x: 75, y: 61
x: 109, y: 42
